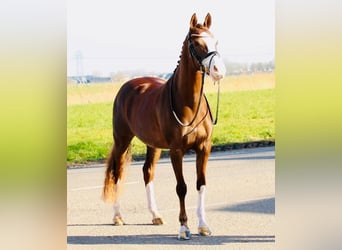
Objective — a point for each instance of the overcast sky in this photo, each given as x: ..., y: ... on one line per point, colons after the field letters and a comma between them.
x: 110, y: 35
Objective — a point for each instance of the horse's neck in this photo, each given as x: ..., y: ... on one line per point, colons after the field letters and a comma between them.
x: 187, y: 80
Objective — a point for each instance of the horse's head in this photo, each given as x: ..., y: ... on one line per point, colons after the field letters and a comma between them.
x: 203, y: 48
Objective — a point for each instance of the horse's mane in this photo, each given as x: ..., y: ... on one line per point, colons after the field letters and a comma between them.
x: 182, y: 51
x: 197, y: 30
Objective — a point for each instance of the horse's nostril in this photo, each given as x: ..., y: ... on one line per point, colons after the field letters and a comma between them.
x: 215, y: 68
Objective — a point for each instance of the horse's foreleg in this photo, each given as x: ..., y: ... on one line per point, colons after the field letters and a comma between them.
x: 201, y: 163
x: 152, y: 156
x: 177, y: 164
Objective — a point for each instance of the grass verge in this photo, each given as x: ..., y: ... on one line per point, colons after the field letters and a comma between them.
x: 246, y: 118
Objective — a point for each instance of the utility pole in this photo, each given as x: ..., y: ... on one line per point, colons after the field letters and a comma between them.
x: 79, y: 66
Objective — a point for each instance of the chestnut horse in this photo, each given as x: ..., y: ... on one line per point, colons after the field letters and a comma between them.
x: 171, y: 115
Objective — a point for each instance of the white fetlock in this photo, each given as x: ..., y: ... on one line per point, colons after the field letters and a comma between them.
x: 204, y: 231
x: 184, y: 233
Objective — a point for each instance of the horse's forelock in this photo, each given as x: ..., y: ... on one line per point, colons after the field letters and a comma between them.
x: 199, y: 29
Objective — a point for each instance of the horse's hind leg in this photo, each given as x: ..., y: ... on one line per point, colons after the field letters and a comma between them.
x: 152, y: 156
x: 114, y: 179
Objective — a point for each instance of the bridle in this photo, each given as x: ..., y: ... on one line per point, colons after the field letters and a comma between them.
x: 204, y: 70
x: 198, y: 58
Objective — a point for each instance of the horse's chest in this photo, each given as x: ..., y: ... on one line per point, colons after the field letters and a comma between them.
x: 194, y: 135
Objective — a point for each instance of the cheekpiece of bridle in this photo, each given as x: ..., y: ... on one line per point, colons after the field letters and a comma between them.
x: 204, y: 71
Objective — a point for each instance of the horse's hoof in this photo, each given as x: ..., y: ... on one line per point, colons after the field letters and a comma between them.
x: 184, y: 233
x: 204, y: 231
x: 118, y: 221
x: 157, y: 221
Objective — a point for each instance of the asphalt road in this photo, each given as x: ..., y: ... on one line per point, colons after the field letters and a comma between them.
x: 240, y: 205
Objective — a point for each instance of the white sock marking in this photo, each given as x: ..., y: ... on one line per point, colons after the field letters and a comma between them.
x: 200, y: 207
x: 117, y: 209
x: 151, y: 202
x: 117, y: 203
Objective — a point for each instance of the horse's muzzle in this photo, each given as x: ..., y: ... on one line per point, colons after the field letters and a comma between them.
x: 215, y: 67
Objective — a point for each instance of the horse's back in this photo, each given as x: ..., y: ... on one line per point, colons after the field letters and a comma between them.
x: 142, y: 84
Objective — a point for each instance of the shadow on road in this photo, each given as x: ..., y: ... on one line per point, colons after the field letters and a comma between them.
x: 263, y: 206
x: 165, y: 239
x: 109, y: 224
x: 252, y: 158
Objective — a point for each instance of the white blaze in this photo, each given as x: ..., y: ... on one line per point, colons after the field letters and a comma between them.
x: 214, y: 63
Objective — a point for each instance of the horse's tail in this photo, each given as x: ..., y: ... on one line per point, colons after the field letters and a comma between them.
x: 114, y: 178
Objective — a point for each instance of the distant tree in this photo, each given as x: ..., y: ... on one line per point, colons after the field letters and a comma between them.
x: 237, y: 68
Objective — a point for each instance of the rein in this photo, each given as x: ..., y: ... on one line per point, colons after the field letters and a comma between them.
x: 198, y: 106
x: 214, y: 122
x: 217, y: 104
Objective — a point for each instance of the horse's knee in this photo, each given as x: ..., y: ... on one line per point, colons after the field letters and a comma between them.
x: 181, y: 190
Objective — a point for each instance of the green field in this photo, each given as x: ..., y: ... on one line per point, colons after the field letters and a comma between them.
x: 244, y: 116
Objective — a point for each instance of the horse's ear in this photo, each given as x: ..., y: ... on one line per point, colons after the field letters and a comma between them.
x: 207, y: 21
x: 193, y: 21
